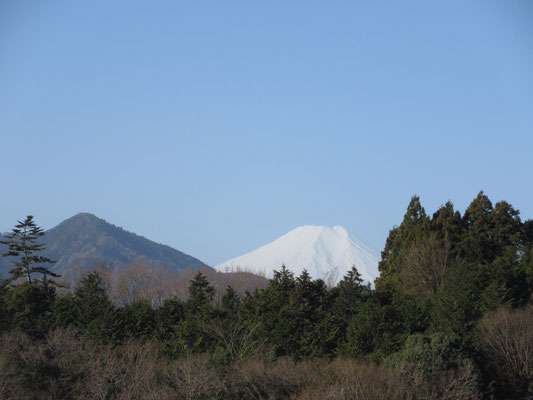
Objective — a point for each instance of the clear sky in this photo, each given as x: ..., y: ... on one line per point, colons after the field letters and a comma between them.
x: 217, y: 126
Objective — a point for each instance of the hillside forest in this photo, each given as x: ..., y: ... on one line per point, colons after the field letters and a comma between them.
x: 449, y: 317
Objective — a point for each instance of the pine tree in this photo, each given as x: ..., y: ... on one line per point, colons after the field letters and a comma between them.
x: 95, y: 314
x: 415, y: 225
x: 230, y: 302
x: 200, y: 292
x: 479, y: 241
x: 349, y: 293
x: 448, y: 223
x: 23, y: 243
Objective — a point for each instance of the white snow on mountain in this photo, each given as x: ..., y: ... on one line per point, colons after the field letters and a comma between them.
x: 323, y: 251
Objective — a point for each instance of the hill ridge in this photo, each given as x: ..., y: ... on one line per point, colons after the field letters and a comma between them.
x: 84, y: 239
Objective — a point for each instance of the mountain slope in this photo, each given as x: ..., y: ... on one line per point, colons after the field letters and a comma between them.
x: 85, y: 239
x: 319, y: 249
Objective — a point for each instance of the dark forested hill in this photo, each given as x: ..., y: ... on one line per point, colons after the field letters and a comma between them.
x: 85, y: 239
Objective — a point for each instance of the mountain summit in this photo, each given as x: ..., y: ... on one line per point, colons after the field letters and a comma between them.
x: 320, y: 250
x: 85, y: 239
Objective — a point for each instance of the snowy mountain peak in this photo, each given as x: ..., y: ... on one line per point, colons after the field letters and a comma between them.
x: 340, y: 231
x: 323, y: 251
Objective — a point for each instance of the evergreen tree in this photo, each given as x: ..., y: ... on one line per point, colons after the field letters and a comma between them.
x: 493, y: 248
x: 232, y: 338
x: 200, y: 292
x: 188, y: 335
x: 282, y: 281
x: 377, y: 330
x: 168, y: 317
x: 478, y: 245
x: 230, y: 302
x: 95, y: 312
x: 448, y: 224
x: 527, y: 254
x: 426, y: 264
x: 23, y: 243
x: 28, y: 308
x: 428, y: 358
x: 169, y: 314
x: 415, y: 225
x: 270, y: 309
x: 349, y: 293
x: 507, y: 226
x: 306, y: 313
x: 137, y: 320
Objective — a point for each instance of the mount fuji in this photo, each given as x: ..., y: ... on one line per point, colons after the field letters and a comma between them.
x: 323, y: 251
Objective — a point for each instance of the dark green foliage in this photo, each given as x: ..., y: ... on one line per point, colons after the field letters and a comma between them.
x: 415, y: 225
x: 137, y: 320
x: 185, y: 323
x: 23, y: 243
x: 28, y: 308
x: 435, y: 365
x: 272, y: 310
x: 308, y: 309
x: 448, y: 223
x: 349, y: 293
x: 291, y: 315
x: 200, y: 294
x: 456, y: 307
x: 89, y: 310
x: 167, y: 316
x: 343, y: 302
x: 379, y: 328
x: 429, y: 355
x: 26, y: 302
x: 439, y: 277
x: 66, y: 311
x: 233, y: 338
x: 478, y: 244
x: 526, y: 259
x: 230, y: 303
x: 487, y: 268
x: 490, y: 230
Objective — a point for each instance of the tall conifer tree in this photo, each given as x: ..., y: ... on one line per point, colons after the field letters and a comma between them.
x: 23, y: 243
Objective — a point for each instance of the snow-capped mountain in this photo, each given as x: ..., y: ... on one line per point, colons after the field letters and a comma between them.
x: 321, y: 250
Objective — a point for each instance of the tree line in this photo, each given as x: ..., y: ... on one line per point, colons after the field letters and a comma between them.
x: 450, y: 316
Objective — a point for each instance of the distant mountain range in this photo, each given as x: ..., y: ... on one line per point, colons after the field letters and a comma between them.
x: 323, y: 251
x: 85, y: 239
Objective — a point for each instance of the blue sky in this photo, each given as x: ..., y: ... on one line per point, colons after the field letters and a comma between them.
x: 216, y: 127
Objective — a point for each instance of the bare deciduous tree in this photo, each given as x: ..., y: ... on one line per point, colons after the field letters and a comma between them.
x: 426, y: 265
x: 236, y: 337
x: 506, y: 340
x: 141, y: 280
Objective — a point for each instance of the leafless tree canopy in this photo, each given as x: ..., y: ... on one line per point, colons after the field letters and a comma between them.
x: 66, y: 366
x: 426, y: 265
x: 506, y: 339
x: 142, y: 280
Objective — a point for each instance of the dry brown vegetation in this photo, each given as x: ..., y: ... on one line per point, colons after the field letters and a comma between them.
x: 141, y: 280
x: 427, y: 263
x: 506, y: 340
x: 65, y: 366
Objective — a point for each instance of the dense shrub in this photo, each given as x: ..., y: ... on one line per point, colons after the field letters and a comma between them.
x: 435, y: 367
